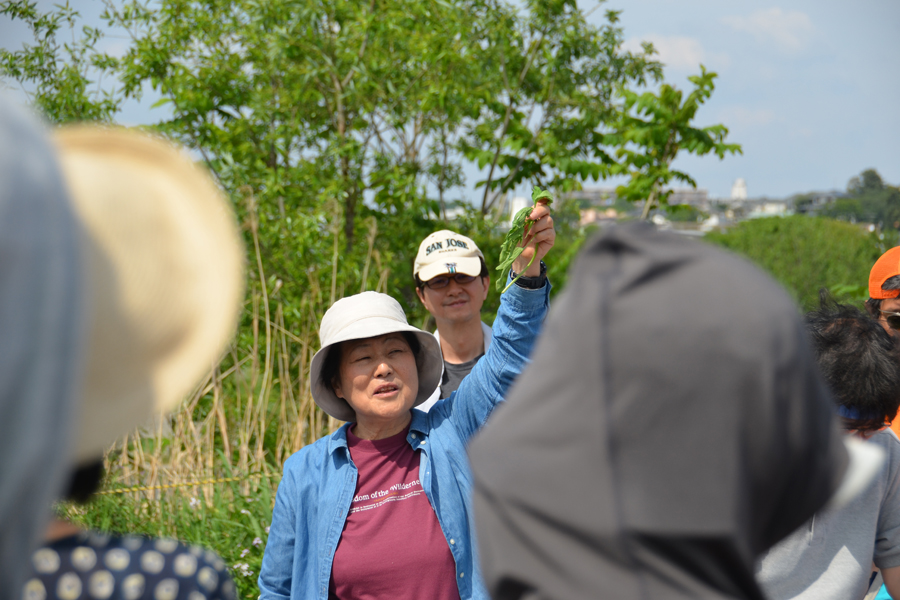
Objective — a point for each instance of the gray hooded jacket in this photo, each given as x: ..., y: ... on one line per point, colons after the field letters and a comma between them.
x: 671, y: 427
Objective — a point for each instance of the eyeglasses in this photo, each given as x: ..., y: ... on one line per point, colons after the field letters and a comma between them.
x: 442, y: 281
x: 892, y: 318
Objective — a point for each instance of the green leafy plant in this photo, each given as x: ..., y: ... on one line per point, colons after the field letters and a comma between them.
x: 651, y: 131
x: 512, y: 248
x: 806, y: 254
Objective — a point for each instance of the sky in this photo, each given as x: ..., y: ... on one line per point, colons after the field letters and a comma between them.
x: 810, y: 89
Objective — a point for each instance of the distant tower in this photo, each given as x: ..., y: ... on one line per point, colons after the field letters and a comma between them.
x: 739, y: 189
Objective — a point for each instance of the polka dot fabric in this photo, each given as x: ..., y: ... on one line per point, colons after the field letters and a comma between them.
x: 91, y: 566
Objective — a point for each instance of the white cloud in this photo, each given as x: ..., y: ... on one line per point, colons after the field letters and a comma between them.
x: 678, y: 52
x: 790, y: 30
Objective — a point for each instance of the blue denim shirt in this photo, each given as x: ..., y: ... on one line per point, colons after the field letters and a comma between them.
x: 319, y: 481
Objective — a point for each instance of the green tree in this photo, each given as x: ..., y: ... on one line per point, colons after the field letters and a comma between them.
x: 550, y: 98
x: 869, y: 200
x: 806, y: 254
x: 354, y: 120
x: 652, y: 128
x: 66, y: 77
x: 868, y: 181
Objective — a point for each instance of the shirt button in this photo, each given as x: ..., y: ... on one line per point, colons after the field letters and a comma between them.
x: 462, y: 574
x: 412, y: 435
x: 452, y: 542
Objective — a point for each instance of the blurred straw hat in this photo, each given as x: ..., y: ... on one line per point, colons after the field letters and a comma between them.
x: 163, y: 261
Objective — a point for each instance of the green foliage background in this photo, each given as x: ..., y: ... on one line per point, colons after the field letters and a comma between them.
x: 806, y: 254
x: 870, y: 200
x: 340, y: 132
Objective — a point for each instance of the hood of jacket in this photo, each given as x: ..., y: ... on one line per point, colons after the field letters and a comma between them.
x: 671, y: 427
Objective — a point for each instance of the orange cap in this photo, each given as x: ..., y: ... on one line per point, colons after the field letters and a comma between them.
x: 885, y: 267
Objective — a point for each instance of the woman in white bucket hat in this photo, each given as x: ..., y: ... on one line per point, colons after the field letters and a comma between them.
x: 381, y: 508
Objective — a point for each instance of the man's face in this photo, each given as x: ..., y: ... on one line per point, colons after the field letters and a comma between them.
x: 455, y: 303
x: 891, y: 305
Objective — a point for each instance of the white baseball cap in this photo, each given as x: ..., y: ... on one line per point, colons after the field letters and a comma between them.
x: 446, y: 251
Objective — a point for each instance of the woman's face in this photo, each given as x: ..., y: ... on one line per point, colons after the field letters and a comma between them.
x: 378, y: 378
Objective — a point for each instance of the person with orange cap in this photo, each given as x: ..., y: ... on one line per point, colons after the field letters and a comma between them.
x: 884, y: 290
x: 884, y: 297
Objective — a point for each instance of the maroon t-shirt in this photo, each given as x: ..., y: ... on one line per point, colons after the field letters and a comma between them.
x: 392, y: 546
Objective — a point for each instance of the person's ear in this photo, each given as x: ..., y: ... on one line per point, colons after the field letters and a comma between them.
x: 336, y: 386
x: 486, y: 282
x: 420, y: 294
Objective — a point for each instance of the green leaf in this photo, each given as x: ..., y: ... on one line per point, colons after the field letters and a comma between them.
x: 510, y: 250
x: 539, y: 194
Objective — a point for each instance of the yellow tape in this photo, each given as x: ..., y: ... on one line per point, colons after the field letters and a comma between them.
x: 168, y: 486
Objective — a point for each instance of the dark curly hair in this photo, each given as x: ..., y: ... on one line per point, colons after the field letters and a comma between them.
x: 860, y: 362
x: 84, y: 481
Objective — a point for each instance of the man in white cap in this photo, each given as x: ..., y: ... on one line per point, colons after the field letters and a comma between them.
x: 452, y: 281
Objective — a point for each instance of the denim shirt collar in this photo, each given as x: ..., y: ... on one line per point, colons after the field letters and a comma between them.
x: 418, y: 425
x: 339, y: 439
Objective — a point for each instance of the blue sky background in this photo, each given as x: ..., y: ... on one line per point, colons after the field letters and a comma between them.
x: 810, y: 89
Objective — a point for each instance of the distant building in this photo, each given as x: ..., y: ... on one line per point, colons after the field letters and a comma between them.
x: 690, y: 196
x: 739, y: 189
x: 594, y: 215
x: 769, y: 208
x: 595, y: 196
x: 608, y: 197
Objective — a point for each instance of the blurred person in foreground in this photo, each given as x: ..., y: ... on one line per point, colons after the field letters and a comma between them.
x: 381, y: 508
x: 40, y: 305
x: 832, y: 555
x: 452, y: 282
x: 671, y: 428
x: 161, y: 274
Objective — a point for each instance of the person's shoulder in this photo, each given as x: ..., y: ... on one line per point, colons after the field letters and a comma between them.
x: 313, y: 454
x: 135, y: 566
x: 887, y: 439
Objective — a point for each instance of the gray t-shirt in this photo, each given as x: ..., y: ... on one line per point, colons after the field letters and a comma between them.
x: 453, y: 375
x: 831, y: 556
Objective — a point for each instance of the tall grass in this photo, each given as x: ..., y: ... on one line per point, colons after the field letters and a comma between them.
x: 253, y: 410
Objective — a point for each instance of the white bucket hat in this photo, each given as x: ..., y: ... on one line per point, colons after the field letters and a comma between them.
x: 163, y: 263
x: 446, y: 251
x: 361, y: 316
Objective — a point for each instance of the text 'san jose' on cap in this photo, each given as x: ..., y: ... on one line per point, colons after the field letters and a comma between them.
x: 444, y: 252
x: 885, y: 267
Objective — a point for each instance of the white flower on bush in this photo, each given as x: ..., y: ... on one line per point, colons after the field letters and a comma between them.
x: 243, y: 569
x: 195, y: 503
x: 257, y: 541
x: 267, y: 529
x: 244, y: 511
x: 245, y: 552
